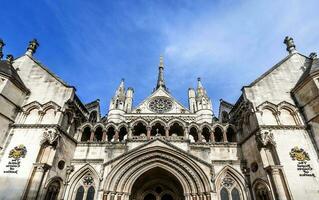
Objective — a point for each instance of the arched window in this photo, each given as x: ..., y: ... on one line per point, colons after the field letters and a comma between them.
x: 206, y: 134
x: 86, y: 134
x: 286, y: 117
x: 98, y: 134
x: 110, y: 134
x: 49, y: 117
x: 90, y: 193
x: 235, y: 194
x: 139, y: 129
x: 224, y: 194
x: 53, y: 191
x: 176, y: 129
x: 193, y: 135
x: 85, y: 190
x: 32, y: 117
x: 122, y: 134
x: 158, y: 129
x: 231, y: 137
x: 261, y: 192
x: 268, y: 117
x: 79, y: 193
x: 229, y: 189
x: 218, y: 135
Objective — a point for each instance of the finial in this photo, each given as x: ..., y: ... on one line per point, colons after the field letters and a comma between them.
x: 291, y: 47
x: 313, y: 55
x: 10, y: 59
x: 32, y: 48
x: 198, y: 79
x: 161, y: 63
x: 2, y: 44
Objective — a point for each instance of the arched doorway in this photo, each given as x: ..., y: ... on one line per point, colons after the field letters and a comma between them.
x: 157, y: 184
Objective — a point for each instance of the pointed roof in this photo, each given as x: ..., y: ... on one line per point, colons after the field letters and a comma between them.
x: 160, y: 79
x: 201, y: 92
x: 120, y: 92
x: 160, y: 92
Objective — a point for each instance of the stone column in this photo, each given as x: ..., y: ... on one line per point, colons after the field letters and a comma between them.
x: 212, y: 137
x: 104, y: 135
x: 116, y: 136
x: 92, y: 136
x: 148, y: 134
x: 129, y: 133
x: 166, y: 132
x: 186, y: 133
x: 69, y: 170
x: 275, y: 174
x: 200, y: 136
x: 224, y: 136
x: 39, y: 171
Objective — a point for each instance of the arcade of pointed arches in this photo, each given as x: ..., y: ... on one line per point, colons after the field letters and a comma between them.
x: 141, y: 129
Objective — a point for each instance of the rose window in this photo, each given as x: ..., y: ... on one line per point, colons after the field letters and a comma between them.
x: 160, y: 104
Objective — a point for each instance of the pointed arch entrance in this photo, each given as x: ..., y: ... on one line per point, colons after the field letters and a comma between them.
x: 157, y: 171
x: 157, y: 184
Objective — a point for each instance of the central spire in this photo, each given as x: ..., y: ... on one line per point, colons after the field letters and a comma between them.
x: 160, y: 79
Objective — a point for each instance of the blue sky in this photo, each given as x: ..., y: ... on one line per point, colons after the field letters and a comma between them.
x: 93, y: 44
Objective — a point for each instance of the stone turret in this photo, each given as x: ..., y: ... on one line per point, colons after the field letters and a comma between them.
x: 118, y: 100
x: 203, y: 104
x: 129, y: 100
x: 117, y: 104
x: 191, y: 100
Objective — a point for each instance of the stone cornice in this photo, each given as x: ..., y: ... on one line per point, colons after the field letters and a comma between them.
x: 272, y: 127
x: 87, y: 161
x: 223, y: 162
x: 35, y: 126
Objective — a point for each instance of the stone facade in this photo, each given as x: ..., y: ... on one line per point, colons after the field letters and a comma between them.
x: 263, y: 147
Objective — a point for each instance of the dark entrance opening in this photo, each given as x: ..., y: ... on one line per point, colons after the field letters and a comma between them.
x: 157, y: 184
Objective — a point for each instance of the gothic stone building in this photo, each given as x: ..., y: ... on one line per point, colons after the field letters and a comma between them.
x: 262, y: 147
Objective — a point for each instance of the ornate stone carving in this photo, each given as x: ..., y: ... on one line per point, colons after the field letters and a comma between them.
x: 227, y: 182
x: 299, y: 154
x: 50, y: 137
x: 88, y: 180
x: 265, y: 137
x: 160, y: 104
x: 18, y: 152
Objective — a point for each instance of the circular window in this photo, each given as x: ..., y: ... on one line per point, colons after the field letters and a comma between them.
x: 254, y: 166
x: 61, y: 164
x: 160, y: 104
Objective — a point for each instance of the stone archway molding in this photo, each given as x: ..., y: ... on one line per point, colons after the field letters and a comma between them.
x: 192, y: 174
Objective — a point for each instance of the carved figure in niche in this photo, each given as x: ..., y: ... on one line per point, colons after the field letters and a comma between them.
x: 50, y: 136
x: 299, y: 154
x: 265, y: 137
